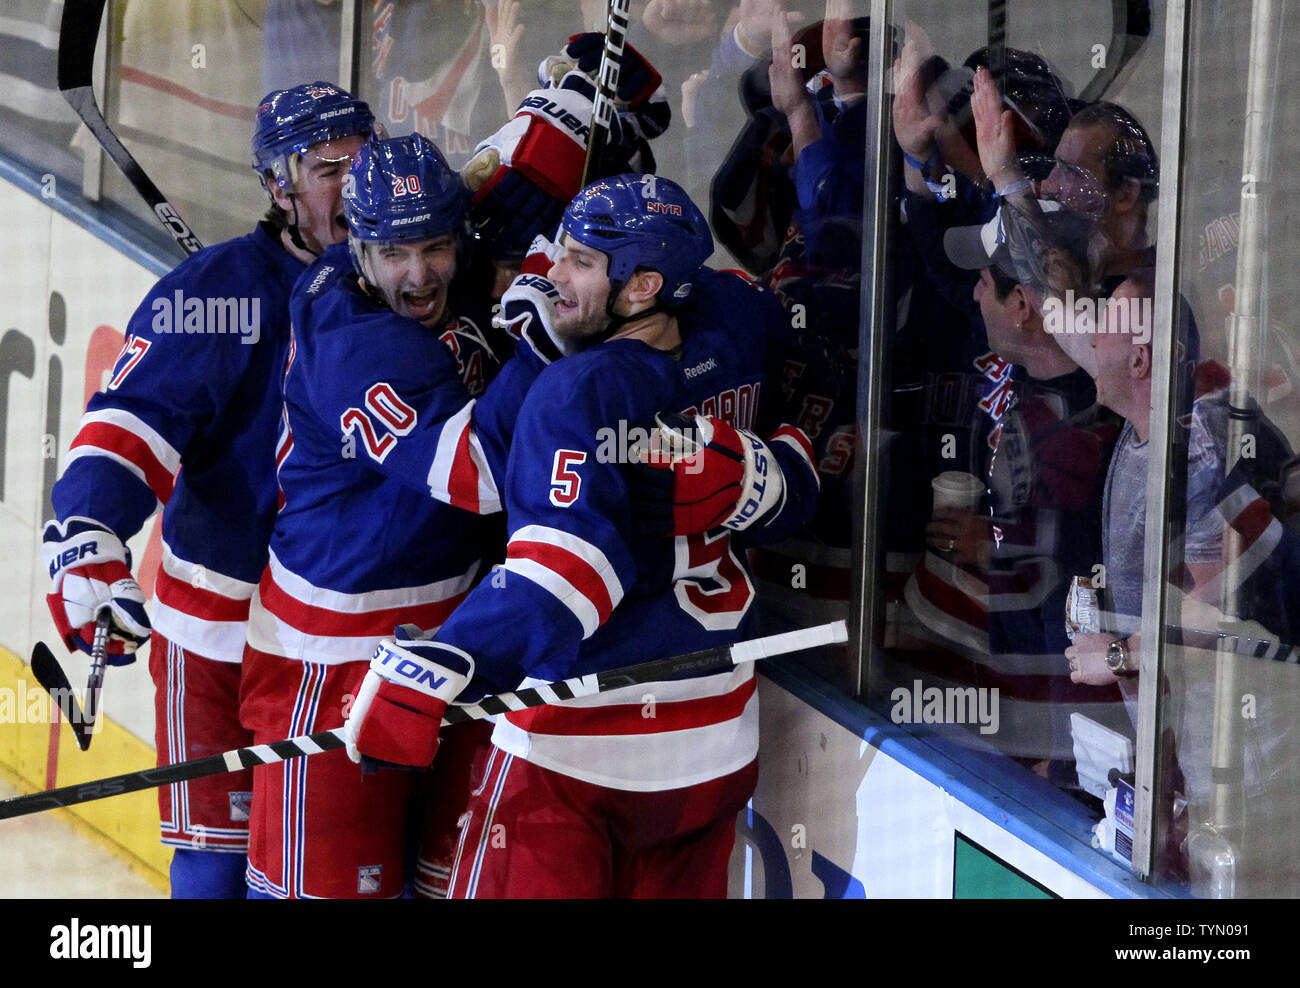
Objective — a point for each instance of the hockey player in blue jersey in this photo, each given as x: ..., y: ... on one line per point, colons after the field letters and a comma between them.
x: 390, y: 340
x: 634, y: 792
x: 197, y: 387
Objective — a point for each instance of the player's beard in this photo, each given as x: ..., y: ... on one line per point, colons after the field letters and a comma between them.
x: 584, y: 321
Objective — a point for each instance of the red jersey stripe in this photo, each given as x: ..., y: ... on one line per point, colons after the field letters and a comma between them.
x: 630, y: 718
x: 799, y: 437
x: 199, y: 602
x: 123, y: 442
x: 462, y: 484
x: 323, y: 622
x: 579, y: 573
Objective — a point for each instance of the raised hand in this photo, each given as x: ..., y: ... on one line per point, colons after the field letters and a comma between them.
x: 754, y: 23
x: 680, y: 22
x: 915, y: 120
x: 994, y: 133
x: 505, y: 28
x: 842, y: 51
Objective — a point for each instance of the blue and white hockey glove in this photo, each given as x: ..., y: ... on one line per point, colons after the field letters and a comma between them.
x: 90, y: 569
x: 700, y: 473
x: 397, y: 713
x: 643, y: 105
x: 528, y: 305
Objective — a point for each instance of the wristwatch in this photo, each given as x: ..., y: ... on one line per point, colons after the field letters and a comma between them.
x: 1117, y: 659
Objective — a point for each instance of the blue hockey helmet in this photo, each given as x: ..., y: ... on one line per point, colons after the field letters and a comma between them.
x: 402, y: 190
x: 289, y: 121
x: 642, y: 221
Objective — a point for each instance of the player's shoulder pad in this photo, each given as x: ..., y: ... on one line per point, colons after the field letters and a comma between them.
x: 605, y: 383
x: 247, y: 264
x: 238, y: 287
x: 732, y: 303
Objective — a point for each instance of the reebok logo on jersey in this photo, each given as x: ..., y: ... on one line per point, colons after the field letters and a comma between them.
x: 319, y: 280
x: 703, y: 367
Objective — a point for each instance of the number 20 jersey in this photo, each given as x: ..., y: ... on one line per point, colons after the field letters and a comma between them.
x: 359, y: 544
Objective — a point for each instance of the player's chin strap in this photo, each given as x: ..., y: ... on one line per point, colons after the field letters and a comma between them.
x: 292, y: 227
x: 617, y: 322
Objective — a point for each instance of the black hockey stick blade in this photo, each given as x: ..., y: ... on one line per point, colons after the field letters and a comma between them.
x: 78, y: 36
x: 714, y: 659
x: 48, y: 672
x: 602, y: 110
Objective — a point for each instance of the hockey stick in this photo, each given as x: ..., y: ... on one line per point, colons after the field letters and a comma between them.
x: 78, y: 36
x: 707, y: 661
x: 602, y: 110
x: 1132, y: 20
x: 95, y: 683
x: 48, y: 672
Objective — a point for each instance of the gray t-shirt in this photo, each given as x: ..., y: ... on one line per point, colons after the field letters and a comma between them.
x: 1124, y: 519
x: 1123, y: 513
x: 1124, y: 510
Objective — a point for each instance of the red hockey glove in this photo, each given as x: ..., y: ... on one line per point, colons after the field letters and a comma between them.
x: 525, y: 174
x: 90, y: 570
x: 398, y: 710
x: 720, y: 476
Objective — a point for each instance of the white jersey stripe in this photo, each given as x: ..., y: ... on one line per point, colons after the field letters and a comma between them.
x: 78, y: 452
x: 207, y: 577
x: 221, y: 641
x: 561, y: 589
x: 167, y: 457
x: 641, y: 762
x: 376, y: 600
x: 581, y: 548
x: 444, y: 463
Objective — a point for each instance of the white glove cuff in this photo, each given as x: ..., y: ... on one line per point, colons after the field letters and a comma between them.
x: 762, y: 486
x: 397, y: 665
x: 86, y: 548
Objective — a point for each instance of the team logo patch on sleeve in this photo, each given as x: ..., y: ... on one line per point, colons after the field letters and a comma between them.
x: 240, y: 806
x: 368, y: 879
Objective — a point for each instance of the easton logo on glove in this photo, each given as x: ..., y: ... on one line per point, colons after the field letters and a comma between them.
x: 726, y: 478
x: 402, y: 665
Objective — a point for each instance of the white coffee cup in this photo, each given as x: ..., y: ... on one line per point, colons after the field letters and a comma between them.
x: 957, y: 489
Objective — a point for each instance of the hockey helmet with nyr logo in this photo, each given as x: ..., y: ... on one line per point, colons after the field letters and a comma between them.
x: 401, y: 190
x: 289, y: 121
x: 642, y: 222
